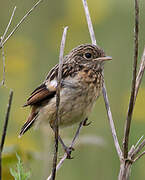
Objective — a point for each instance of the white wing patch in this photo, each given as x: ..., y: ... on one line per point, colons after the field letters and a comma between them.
x: 53, y: 83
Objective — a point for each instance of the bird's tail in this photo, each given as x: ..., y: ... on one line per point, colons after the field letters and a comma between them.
x: 28, y: 124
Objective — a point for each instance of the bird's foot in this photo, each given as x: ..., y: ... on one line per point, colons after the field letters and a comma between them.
x: 86, y: 123
x: 68, y: 151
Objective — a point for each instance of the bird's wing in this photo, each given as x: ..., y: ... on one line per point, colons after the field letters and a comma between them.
x: 47, y: 89
x: 53, y: 72
x: 44, y: 92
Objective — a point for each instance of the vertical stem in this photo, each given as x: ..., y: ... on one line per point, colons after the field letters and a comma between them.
x: 104, y: 91
x: 132, y: 97
x: 57, y: 120
x: 111, y: 122
x: 125, y: 169
x: 90, y: 26
x: 5, y: 130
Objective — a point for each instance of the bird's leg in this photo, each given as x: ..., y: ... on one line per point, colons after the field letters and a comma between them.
x: 67, y: 149
x: 82, y: 123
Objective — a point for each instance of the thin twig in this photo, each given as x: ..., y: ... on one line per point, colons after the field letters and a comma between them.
x: 59, y: 78
x: 3, y: 58
x: 2, y: 45
x: 21, y: 21
x: 88, y: 17
x: 11, y: 18
x: 139, y: 156
x: 5, y: 130
x: 4, y: 40
x: 139, y: 141
x: 109, y: 114
x: 132, y: 97
x: 58, y: 165
x: 65, y: 155
x: 92, y: 35
x: 140, y: 74
x: 138, y: 149
x: 138, y: 82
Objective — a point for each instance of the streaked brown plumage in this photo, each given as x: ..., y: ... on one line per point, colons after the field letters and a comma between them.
x: 82, y: 80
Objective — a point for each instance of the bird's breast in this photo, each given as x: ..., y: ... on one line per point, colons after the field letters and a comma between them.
x: 77, y: 97
x: 91, y: 80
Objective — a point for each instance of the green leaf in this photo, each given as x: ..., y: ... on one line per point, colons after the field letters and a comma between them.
x: 19, y: 173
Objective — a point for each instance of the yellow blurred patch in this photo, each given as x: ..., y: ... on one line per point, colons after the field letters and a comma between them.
x: 74, y: 18
x: 139, y: 109
x: 24, y: 143
x: 98, y: 11
x: 21, y: 46
x: 16, y: 64
x: 20, y: 114
x: 18, y: 54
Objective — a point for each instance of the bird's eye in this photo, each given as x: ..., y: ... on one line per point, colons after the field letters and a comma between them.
x: 88, y: 55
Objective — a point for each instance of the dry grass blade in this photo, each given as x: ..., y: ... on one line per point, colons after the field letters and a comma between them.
x: 21, y: 21
x: 92, y: 35
x: 88, y: 17
x: 5, y: 129
x: 4, y: 40
x: 109, y: 114
x: 132, y: 97
x: 58, y: 165
x: 56, y: 128
x: 138, y: 149
x: 2, y: 45
x: 4, y: 67
x: 6, y: 30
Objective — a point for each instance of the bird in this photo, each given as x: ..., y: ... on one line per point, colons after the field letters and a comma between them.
x: 81, y: 85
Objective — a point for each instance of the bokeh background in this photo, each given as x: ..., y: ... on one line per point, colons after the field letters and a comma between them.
x: 33, y: 51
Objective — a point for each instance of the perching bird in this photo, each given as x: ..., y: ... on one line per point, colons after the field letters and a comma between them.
x: 82, y: 80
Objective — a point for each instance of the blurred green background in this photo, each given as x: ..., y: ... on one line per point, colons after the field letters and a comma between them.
x: 33, y: 51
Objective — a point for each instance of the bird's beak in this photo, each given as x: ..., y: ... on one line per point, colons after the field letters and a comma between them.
x: 106, y: 58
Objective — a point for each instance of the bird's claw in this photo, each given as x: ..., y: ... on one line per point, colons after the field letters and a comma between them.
x: 68, y: 151
x: 86, y: 123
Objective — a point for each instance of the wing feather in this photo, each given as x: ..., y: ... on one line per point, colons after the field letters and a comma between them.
x: 39, y: 95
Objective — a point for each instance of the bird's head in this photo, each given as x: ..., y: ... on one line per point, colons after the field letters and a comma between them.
x: 88, y: 54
